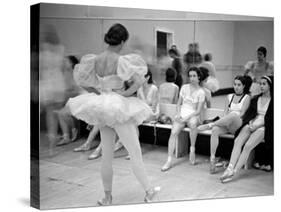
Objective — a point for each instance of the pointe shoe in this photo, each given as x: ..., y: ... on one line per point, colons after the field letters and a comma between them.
x: 96, y: 154
x: 166, y: 166
x: 257, y: 166
x: 192, y: 160
x: 118, y: 146
x: 63, y: 141
x: 227, y: 175
x: 151, y: 194
x: 266, y: 168
x: 84, y: 147
x: 127, y: 157
x: 205, y: 127
x: 89, y: 127
x: 212, y: 166
x: 105, y: 201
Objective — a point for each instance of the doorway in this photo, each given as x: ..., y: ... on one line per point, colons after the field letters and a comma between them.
x: 164, y: 39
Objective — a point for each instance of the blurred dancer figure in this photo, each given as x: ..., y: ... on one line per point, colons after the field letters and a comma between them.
x: 52, y: 85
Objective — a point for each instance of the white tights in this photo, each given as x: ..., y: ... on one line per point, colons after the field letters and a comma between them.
x: 127, y: 133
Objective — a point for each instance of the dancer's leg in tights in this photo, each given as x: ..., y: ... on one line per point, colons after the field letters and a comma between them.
x: 216, y: 132
x: 87, y: 145
x: 128, y: 135
x: 231, y: 121
x: 227, y: 120
x: 176, y: 129
x: 52, y: 125
x: 238, y: 143
x: 192, y: 124
x: 108, y: 136
x: 255, y: 138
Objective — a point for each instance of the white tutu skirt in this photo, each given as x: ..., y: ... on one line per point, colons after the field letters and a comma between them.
x: 109, y: 109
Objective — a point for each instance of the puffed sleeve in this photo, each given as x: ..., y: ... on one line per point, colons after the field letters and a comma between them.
x: 131, y: 64
x: 84, y: 73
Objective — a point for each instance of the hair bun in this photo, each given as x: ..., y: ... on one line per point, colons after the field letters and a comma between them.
x: 116, y: 34
x: 111, y: 39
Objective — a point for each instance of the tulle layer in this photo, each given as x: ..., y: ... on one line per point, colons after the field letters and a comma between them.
x: 109, y: 109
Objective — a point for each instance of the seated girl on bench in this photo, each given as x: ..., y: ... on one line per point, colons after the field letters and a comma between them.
x: 189, y: 107
x: 235, y: 106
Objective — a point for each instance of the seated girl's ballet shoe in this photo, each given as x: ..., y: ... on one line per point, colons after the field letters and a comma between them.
x: 266, y: 168
x: 89, y: 127
x: 127, y: 157
x: 257, y: 166
x: 227, y: 175
x: 84, y: 147
x: 96, y: 154
x: 205, y: 127
x: 192, y: 160
x: 151, y: 194
x: 118, y: 146
x: 63, y: 141
x: 166, y: 166
x: 105, y: 201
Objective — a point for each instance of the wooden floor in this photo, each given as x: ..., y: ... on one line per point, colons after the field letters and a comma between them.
x: 68, y: 179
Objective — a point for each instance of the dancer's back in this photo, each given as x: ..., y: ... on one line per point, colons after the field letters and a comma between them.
x: 106, y: 63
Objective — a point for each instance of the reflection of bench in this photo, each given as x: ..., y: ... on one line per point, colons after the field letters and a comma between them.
x: 182, y: 143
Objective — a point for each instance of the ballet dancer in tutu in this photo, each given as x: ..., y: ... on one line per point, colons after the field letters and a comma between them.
x: 112, y: 107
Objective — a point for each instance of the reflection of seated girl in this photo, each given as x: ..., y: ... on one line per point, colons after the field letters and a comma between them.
x: 257, y: 126
x: 169, y: 91
x: 189, y: 107
x: 149, y: 94
x: 235, y: 106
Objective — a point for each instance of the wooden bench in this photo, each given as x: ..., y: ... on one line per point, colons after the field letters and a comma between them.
x: 183, y: 142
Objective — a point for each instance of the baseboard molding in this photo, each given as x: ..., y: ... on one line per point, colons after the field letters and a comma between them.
x: 223, y: 91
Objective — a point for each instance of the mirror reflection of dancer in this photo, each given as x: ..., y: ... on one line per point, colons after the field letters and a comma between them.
x: 257, y: 127
x: 52, y: 86
x: 114, y: 109
x: 257, y: 69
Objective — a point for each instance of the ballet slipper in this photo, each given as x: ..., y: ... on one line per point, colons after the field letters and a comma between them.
x: 227, y: 175
x: 127, y: 157
x: 84, y: 147
x: 151, y: 194
x: 105, y: 201
x: 166, y: 166
x: 96, y: 154
x: 266, y: 168
x: 118, y: 146
x: 65, y: 140
x: 192, y: 158
x: 205, y: 127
